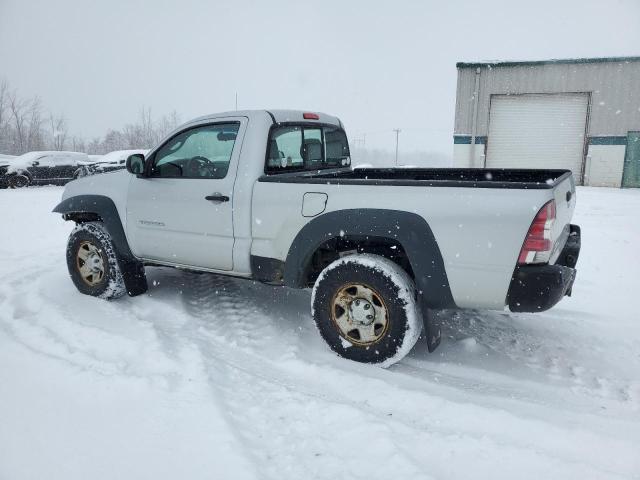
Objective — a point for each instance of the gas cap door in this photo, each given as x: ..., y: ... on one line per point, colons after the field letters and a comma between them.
x: 313, y: 203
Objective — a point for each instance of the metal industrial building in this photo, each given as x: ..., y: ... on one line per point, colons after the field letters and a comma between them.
x: 579, y: 114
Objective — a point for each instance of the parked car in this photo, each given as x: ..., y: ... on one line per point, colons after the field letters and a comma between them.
x: 109, y: 162
x: 271, y: 196
x: 40, y: 168
x: 4, y: 165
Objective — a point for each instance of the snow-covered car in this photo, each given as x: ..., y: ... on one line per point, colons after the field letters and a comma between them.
x: 109, y: 162
x: 40, y: 168
x: 271, y: 196
x: 4, y: 166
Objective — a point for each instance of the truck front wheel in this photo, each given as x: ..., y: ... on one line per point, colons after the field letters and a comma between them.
x: 92, y: 262
x: 365, y: 309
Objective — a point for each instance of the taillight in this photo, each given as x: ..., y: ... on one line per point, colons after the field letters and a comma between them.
x: 310, y: 116
x: 537, y: 244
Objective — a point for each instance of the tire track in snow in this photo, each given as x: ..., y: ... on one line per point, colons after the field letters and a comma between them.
x: 227, y: 329
x: 35, y: 312
x: 260, y: 404
x: 549, y: 360
x: 280, y: 390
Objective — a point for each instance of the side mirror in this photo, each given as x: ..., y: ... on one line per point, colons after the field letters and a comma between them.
x: 135, y: 164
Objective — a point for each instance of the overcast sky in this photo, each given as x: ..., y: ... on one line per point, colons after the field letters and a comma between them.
x: 377, y: 65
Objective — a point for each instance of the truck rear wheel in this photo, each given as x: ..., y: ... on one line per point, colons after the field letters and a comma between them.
x: 365, y: 309
x: 92, y: 262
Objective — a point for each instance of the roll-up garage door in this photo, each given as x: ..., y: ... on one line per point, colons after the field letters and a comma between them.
x: 538, y: 131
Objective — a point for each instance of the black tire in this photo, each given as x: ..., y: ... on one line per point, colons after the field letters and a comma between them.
x: 390, y: 294
x: 18, y: 180
x: 92, y: 240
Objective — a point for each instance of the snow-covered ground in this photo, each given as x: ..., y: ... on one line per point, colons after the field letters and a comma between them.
x: 208, y: 377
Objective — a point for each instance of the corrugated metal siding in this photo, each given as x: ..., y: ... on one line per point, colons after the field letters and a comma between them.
x: 615, y: 89
x: 464, y: 101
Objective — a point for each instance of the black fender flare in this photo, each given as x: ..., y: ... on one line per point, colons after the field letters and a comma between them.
x: 103, y: 207
x: 409, y: 229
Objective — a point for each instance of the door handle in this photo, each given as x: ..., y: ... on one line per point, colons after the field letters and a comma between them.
x: 217, y: 197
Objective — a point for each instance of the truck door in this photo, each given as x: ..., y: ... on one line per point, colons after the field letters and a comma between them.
x: 181, y: 211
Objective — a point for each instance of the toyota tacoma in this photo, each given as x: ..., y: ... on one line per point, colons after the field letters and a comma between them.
x: 272, y: 196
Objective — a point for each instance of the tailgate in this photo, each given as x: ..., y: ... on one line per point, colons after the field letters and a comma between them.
x: 564, y: 194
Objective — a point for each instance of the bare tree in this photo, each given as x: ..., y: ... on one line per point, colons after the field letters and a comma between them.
x: 25, y: 126
x: 147, y: 128
x: 17, y: 109
x: 94, y: 147
x: 4, y: 103
x: 35, y: 136
x: 166, y: 124
x: 113, y: 140
x: 4, y: 115
x: 78, y: 144
x: 58, y: 131
x: 133, y: 136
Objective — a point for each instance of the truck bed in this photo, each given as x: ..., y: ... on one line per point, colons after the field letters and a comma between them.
x: 429, y: 177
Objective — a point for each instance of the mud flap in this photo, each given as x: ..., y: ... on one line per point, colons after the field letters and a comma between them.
x: 133, y: 275
x: 431, y: 319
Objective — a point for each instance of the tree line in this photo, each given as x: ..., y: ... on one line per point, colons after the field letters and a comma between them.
x: 26, y: 125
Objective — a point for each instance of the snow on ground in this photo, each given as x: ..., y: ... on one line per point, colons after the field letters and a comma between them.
x: 209, y: 377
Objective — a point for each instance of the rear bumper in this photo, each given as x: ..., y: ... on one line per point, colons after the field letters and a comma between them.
x: 535, y: 288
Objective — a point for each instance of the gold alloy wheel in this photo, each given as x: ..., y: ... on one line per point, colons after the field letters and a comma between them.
x: 90, y: 263
x: 360, y: 314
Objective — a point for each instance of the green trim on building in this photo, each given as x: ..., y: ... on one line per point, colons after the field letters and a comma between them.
x: 609, y: 140
x: 602, y: 140
x: 533, y: 63
x: 466, y: 140
x: 631, y: 169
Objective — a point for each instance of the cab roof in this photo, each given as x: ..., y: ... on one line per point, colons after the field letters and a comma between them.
x: 277, y: 116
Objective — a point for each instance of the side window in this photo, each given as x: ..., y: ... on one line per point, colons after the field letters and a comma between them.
x: 200, y: 152
x: 301, y: 147
x: 44, y: 161
x: 63, y: 160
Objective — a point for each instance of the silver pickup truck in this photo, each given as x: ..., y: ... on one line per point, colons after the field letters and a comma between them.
x: 271, y: 196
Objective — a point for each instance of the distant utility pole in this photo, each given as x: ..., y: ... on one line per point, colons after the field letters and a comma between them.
x: 397, y: 130
x: 236, y: 100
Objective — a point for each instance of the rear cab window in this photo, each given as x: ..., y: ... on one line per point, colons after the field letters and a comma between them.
x: 306, y: 147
